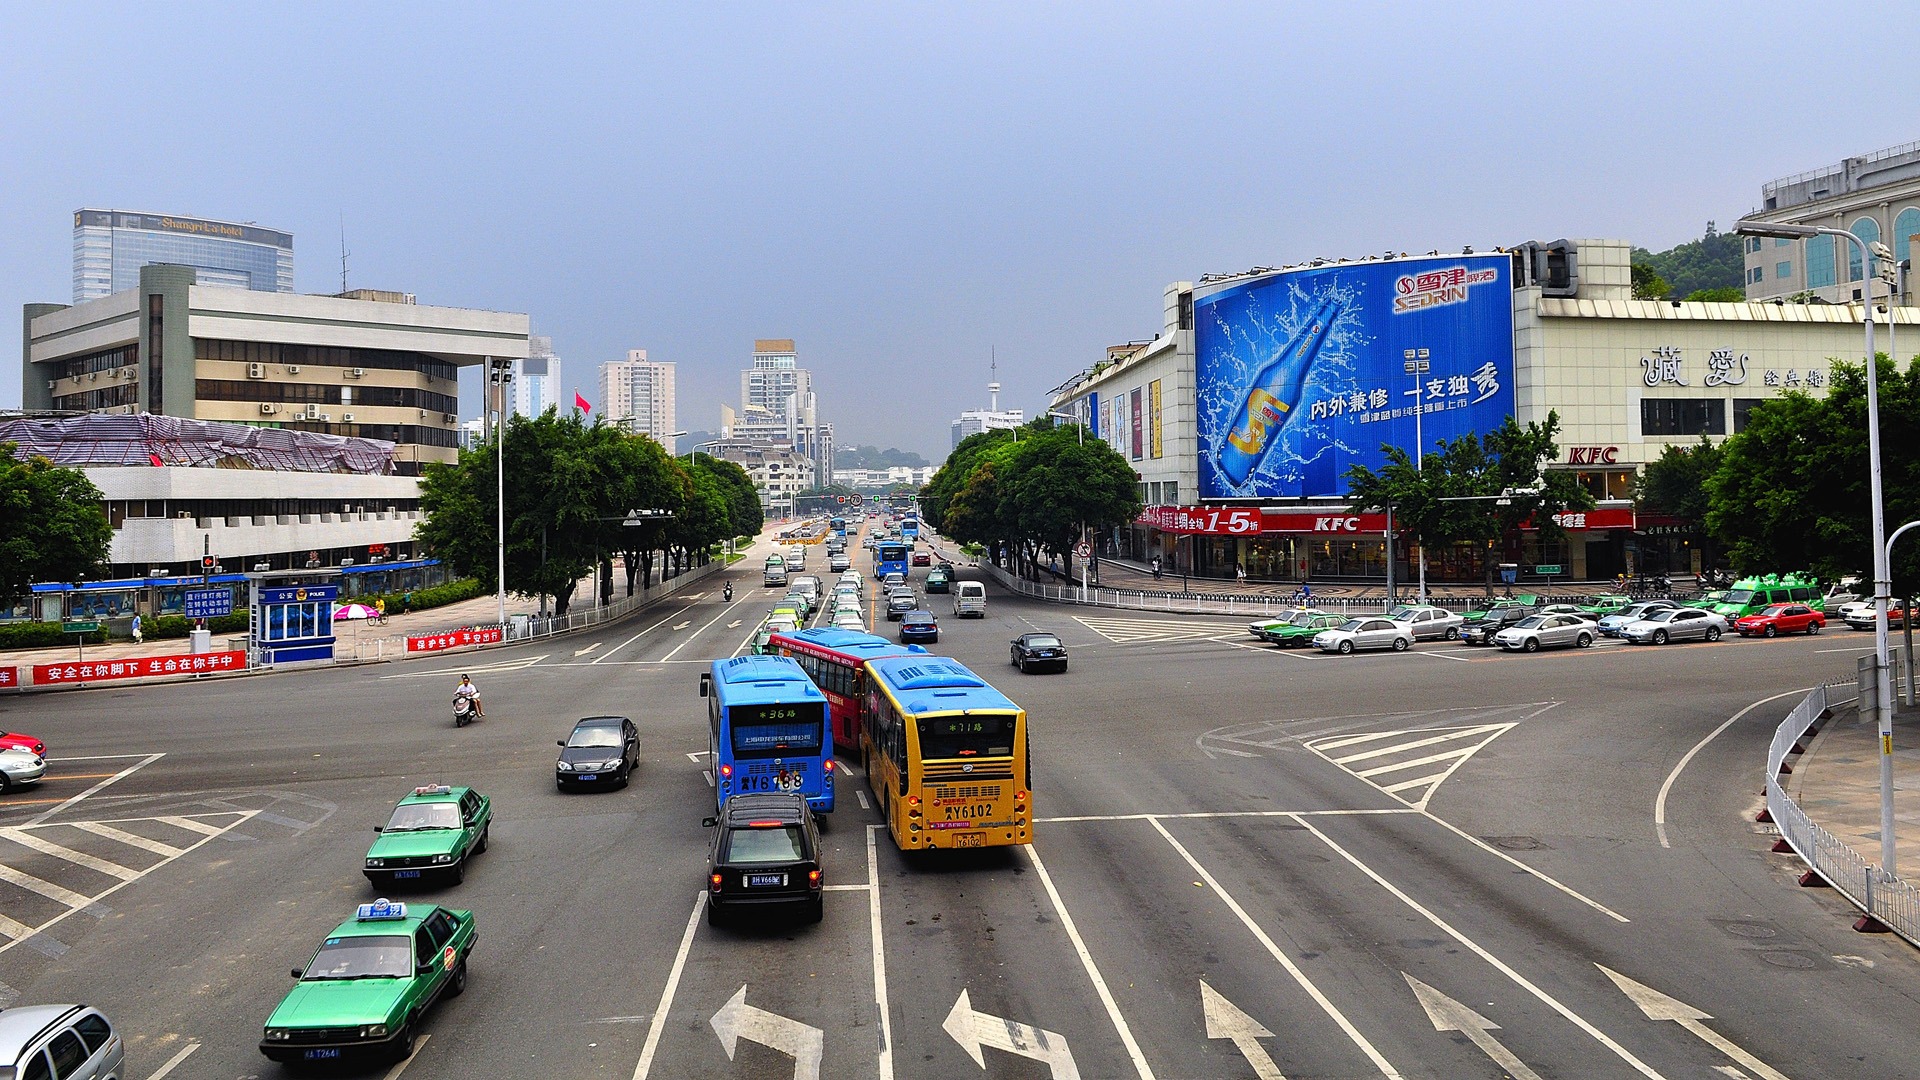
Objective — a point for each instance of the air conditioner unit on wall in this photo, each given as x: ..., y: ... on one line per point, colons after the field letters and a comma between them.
x: 51, y: 383
x: 353, y: 373
x: 269, y: 408
x: 293, y: 369
x: 346, y: 418
x: 256, y: 371
x: 451, y: 418
x: 93, y: 376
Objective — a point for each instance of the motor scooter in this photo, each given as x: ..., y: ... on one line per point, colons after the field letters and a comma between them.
x: 462, y: 710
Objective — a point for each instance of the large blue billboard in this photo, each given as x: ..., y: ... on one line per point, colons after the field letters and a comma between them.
x: 1301, y: 375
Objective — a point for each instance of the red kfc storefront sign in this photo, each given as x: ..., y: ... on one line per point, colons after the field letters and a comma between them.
x: 455, y: 639
x: 1252, y: 521
x: 138, y: 667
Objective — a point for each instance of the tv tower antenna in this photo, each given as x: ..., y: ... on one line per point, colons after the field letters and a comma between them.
x: 993, y: 387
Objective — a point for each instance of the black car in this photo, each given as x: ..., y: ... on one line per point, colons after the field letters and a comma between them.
x: 919, y: 627
x: 1480, y: 631
x: 1040, y: 651
x: 765, y: 850
x: 899, y: 602
x: 601, y: 750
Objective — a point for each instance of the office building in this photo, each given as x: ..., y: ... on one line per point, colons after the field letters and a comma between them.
x: 775, y: 377
x: 110, y: 247
x: 991, y: 418
x: 368, y: 364
x: 1876, y: 197
x: 537, y: 380
x: 778, y: 472
x: 639, y: 393
x: 778, y: 405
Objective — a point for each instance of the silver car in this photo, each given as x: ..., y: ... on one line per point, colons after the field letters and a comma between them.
x: 1536, y: 632
x: 1615, y: 625
x: 1677, y: 624
x: 60, y: 1040
x: 18, y: 766
x: 1429, y: 623
x: 1377, y: 632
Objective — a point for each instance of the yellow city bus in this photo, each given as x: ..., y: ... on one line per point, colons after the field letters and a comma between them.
x: 946, y: 756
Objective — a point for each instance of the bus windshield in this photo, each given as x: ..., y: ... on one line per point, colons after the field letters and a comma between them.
x: 768, y: 731
x: 973, y: 736
x: 892, y: 552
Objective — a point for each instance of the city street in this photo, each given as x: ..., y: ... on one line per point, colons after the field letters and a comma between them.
x: 1249, y: 862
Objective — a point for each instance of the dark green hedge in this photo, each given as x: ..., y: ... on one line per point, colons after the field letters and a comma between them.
x: 37, y: 635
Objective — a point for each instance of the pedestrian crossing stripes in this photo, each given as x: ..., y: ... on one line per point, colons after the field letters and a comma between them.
x: 1122, y: 631
x: 1409, y: 764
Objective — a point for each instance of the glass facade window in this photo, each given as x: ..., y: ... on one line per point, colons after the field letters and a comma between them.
x: 1783, y: 269
x: 1820, y: 269
x: 1906, y: 225
x: 1868, y: 230
x: 266, y: 352
x: 1683, y: 416
x: 1742, y: 407
x: 110, y: 247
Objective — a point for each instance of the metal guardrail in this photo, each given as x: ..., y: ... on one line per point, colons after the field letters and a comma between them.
x: 1889, y: 898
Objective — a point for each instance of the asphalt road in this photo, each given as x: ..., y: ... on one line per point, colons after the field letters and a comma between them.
x: 1250, y: 863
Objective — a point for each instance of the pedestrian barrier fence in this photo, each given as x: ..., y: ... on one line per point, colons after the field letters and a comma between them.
x: 1886, y: 897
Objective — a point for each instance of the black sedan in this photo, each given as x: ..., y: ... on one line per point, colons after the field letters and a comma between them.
x: 601, y: 750
x: 1039, y: 651
x: 919, y: 628
x: 900, y: 602
x: 765, y: 850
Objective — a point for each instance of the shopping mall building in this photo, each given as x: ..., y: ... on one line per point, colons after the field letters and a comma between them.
x: 1243, y: 414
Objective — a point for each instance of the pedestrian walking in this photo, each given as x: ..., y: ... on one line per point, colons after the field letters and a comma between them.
x: 1156, y: 568
x: 137, y: 639
x: 1239, y: 573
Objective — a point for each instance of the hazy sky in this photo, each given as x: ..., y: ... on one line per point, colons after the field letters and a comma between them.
x: 902, y: 188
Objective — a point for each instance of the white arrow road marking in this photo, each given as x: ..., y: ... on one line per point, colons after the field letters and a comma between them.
x: 1225, y: 1020
x: 1450, y: 1015
x: 588, y: 649
x: 695, y: 755
x: 683, y: 625
x: 1659, y: 1006
x: 973, y: 1030
x: 802, y: 1042
x: 734, y: 624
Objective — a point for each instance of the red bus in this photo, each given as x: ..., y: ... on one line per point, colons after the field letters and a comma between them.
x: 836, y: 661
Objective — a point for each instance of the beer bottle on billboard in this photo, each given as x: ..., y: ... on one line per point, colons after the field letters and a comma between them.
x: 1273, y: 397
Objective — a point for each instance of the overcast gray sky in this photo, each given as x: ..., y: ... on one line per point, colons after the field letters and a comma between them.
x: 903, y: 188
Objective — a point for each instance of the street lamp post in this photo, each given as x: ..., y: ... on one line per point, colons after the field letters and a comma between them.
x: 500, y: 369
x: 1882, y: 575
x: 1418, y: 363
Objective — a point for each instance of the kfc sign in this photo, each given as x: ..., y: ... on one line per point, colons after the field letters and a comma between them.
x: 1336, y: 524
x: 1593, y: 455
x: 1248, y: 521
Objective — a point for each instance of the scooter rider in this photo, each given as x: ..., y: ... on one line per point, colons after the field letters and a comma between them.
x: 727, y: 593
x: 467, y: 690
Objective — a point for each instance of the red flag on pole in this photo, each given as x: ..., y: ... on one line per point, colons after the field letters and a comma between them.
x: 581, y: 403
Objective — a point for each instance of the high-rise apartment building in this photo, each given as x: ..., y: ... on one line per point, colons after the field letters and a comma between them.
x: 775, y: 377
x: 639, y: 392
x: 777, y: 405
x: 537, y: 384
x: 110, y: 247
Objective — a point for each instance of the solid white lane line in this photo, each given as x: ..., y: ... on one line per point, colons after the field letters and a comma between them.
x: 1446, y: 656
x: 174, y: 1061
x: 666, y: 992
x: 879, y: 955
x: 95, y: 789
x: 1660, y: 801
x: 1333, y: 1011
x: 862, y: 796
x: 1518, y: 865
x: 1228, y: 814
x: 1093, y: 972
x: 91, y: 757
x: 691, y: 637
x: 845, y: 888
x: 394, y: 1073
x: 640, y: 635
x: 122, y: 837
x: 1408, y: 785
x: 1498, y: 964
x: 1863, y: 648
x: 78, y: 858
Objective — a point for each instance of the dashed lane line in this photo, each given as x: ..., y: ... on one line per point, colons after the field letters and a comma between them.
x: 641, y: 634
x: 174, y: 1061
x: 1086, y: 960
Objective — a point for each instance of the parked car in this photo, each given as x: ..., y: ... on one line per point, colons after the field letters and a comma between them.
x: 1536, y: 632
x: 1492, y: 620
x: 919, y: 627
x: 1677, y: 624
x: 1615, y: 625
x: 14, y: 740
x: 601, y: 749
x: 79, y: 1039
x: 1429, y: 623
x: 1608, y: 603
x: 1780, y: 619
x: 1896, y: 617
x: 1301, y: 629
x: 19, y: 766
x: 1377, y: 632
x: 765, y: 850
x: 1038, y: 651
x: 940, y: 579
x: 1574, y: 610
x: 1280, y: 617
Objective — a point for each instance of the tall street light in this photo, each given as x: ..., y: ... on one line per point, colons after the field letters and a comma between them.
x: 1417, y: 364
x: 500, y: 371
x: 1882, y: 576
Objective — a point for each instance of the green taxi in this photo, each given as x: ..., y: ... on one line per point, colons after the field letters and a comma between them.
x: 432, y: 832
x: 1300, y: 629
x: 369, y: 985
x: 1608, y: 604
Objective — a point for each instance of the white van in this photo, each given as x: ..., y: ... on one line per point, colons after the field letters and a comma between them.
x: 796, y: 558
x: 775, y: 572
x: 969, y: 598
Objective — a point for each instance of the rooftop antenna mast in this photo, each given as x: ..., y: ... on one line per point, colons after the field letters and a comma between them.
x: 343, y: 251
x: 993, y: 387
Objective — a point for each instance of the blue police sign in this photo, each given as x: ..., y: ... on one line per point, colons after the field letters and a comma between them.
x: 299, y: 594
x: 209, y: 603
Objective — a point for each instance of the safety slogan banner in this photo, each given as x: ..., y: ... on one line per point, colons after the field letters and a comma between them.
x: 454, y: 639
x: 138, y: 667
x: 9, y: 678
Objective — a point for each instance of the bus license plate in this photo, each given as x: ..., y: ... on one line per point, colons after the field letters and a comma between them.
x: 775, y: 880
x: 970, y: 839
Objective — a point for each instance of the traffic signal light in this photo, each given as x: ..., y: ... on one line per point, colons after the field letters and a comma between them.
x: 206, y: 563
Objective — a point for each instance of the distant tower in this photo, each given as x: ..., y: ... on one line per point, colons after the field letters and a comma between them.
x: 993, y: 387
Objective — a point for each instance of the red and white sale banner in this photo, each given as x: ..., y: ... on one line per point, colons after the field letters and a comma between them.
x: 454, y: 639
x: 9, y: 678
x: 138, y: 667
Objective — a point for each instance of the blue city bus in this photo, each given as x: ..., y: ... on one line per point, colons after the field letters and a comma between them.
x: 909, y: 527
x: 767, y: 730
x: 837, y: 526
x: 891, y: 557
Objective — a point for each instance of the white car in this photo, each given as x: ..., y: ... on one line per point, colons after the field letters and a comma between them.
x: 1429, y: 623
x: 1535, y: 632
x: 18, y: 766
x: 1676, y: 624
x: 1615, y: 625
x: 1376, y: 632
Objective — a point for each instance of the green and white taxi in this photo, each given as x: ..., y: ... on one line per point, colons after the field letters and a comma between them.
x: 369, y: 985
x: 432, y: 833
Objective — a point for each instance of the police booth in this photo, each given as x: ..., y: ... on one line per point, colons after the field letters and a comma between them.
x: 292, y: 620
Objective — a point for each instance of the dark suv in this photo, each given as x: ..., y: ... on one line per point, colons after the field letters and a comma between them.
x: 765, y: 850
x: 1482, y: 625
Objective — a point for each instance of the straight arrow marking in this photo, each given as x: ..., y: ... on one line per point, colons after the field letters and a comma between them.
x: 802, y: 1042
x: 588, y: 649
x: 1225, y: 1020
x: 973, y: 1030
x: 1659, y: 1006
x: 1450, y: 1015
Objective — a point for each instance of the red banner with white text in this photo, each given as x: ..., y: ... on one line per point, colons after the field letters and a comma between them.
x: 138, y: 667
x: 455, y: 639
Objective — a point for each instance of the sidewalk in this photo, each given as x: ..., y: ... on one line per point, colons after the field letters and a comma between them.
x: 1837, y: 783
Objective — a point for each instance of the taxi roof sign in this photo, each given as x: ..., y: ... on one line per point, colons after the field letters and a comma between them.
x: 380, y: 909
x: 433, y: 789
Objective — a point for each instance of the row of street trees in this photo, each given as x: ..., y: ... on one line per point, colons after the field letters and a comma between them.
x: 53, y: 524
x: 1026, y: 494
x: 569, y: 485
x: 1474, y: 489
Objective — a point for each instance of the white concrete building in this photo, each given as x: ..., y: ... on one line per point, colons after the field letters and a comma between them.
x: 1876, y: 197
x: 640, y: 393
x: 537, y: 381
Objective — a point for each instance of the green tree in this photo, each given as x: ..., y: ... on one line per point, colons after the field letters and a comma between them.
x: 1791, y: 489
x: 1675, y: 484
x: 1715, y: 261
x: 1648, y: 284
x: 53, y: 524
x: 1725, y: 294
x: 1413, y: 494
x: 952, y: 475
x: 1060, y: 486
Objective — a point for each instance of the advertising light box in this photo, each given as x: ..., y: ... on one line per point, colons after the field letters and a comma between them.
x: 1301, y: 375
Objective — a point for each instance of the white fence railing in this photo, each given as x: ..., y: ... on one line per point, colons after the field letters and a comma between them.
x: 1887, y: 897
x: 1188, y: 603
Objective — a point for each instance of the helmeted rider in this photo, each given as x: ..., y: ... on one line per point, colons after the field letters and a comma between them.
x: 467, y: 690
x: 728, y: 594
